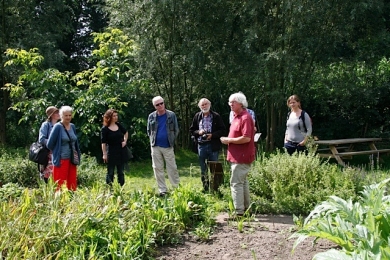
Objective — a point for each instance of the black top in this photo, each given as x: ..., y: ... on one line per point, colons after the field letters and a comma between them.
x: 217, y: 129
x: 116, y: 154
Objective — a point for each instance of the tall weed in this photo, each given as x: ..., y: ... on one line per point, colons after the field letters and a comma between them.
x: 97, y: 222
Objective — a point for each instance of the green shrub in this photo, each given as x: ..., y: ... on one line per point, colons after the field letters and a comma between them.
x: 90, y: 172
x: 10, y: 191
x: 16, y: 168
x: 295, y: 184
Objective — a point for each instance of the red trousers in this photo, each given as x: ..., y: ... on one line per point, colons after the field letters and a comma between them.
x: 66, y: 173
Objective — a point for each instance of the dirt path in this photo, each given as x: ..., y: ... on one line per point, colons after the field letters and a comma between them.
x: 264, y: 238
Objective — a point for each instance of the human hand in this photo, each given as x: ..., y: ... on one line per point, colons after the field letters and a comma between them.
x: 105, y: 158
x: 123, y: 144
x: 224, y: 140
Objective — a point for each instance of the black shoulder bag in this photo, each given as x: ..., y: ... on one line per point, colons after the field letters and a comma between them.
x: 39, y: 153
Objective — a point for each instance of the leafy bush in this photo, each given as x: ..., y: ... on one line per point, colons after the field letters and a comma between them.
x: 90, y: 172
x: 10, y: 191
x: 361, y: 229
x: 16, y: 168
x: 295, y: 184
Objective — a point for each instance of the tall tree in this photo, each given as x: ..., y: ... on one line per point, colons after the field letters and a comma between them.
x: 60, y: 29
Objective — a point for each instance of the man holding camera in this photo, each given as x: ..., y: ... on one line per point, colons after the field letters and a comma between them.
x: 207, y: 127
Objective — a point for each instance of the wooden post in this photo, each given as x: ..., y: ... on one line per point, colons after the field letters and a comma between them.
x: 216, y: 171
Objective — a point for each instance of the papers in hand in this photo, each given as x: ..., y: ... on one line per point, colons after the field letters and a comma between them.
x: 257, y: 137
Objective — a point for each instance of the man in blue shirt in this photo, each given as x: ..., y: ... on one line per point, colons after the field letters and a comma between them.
x: 163, y: 130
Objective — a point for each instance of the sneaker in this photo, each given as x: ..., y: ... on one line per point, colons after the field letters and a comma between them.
x: 163, y: 194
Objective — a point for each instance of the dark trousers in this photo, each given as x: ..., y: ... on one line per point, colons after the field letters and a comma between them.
x: 110, y: 173
x: 206, y: 154
x: 291, y: 147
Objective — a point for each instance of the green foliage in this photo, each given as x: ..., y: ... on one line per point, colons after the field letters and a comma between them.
x: 89, y: 172
x: 16, y: 168
x: 361, y: 229
x: 295, y: 184
x: 111, y: 83
x: 10, y: 191
x: 342, y: 86
x: 97, y: 223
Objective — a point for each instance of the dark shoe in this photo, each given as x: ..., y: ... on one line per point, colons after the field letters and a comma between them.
x: 163, y: 194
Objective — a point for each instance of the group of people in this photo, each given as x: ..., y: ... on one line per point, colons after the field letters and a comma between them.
x: 208, y: 131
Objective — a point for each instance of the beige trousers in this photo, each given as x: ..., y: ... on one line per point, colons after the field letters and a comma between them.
x: 239, y: 186
x: 159, y: 155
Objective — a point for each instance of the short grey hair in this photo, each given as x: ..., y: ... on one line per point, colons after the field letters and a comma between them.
x: 64, y: 109
x: 239, y: 97
x: 203, y: 100
x: 156, y: 99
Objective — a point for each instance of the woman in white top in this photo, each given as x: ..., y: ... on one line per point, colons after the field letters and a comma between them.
x: 298, y: 125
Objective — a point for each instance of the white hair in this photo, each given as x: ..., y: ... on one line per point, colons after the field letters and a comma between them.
x: 239, y: 97
x: 156, y: 99
x: 64, y: 109
x: 203, y: 100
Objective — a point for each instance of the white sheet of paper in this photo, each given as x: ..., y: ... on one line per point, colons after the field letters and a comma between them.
x: 257, y: 137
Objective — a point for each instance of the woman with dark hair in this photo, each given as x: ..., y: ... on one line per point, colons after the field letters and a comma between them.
x: 114, y: 138
x: 299, y: 126
x: 53, y: 116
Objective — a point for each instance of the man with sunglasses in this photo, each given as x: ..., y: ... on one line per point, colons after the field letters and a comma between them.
x: 163, y: 130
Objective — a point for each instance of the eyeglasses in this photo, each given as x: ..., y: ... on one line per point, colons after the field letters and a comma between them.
x: 159, y: 104
x: 231, y: 102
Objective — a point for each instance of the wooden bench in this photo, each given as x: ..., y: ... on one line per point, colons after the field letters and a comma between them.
x: 341, y: 152
x: 363, y: 152
x: 328, y: 149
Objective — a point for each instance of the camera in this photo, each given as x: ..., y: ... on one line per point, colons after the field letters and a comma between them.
x: 204, y: 137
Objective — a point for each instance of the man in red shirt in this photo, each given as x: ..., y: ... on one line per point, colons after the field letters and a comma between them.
x: 241, y: 151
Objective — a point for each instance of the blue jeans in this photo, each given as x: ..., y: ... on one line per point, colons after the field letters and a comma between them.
x: 205, y: 154
x: 110, y: 173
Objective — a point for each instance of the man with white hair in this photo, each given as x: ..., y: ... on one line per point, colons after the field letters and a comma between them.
x: 207, y: 128
x: 241, y: 151
x: 163, y: 129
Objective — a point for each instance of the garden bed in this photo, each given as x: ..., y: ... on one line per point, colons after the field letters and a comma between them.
x: 266, y: 237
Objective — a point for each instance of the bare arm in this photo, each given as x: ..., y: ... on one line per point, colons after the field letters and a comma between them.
x: 104, y: 149
x: 236, y: 140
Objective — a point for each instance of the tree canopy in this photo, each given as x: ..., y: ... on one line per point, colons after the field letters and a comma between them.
x: 334, y: 55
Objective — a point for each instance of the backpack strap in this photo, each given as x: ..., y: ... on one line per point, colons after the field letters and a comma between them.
x: 302, y: 117
x: 303, y: 120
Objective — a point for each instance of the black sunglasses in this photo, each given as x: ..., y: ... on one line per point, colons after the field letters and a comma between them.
x: 159, y: 104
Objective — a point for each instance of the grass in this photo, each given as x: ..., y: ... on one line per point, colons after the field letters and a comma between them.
x: 140, y: 174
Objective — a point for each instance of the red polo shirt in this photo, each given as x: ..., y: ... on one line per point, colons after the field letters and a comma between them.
x: 242, y: 125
